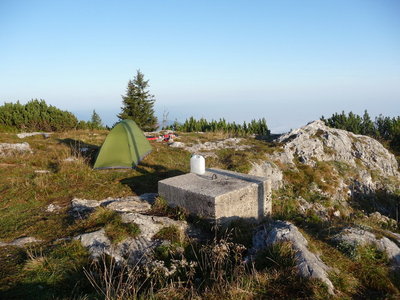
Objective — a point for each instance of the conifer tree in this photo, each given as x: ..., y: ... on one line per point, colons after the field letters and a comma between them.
x: 95, y: 121
x: 138, y: 103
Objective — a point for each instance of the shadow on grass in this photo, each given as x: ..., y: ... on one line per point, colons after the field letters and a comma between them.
x: 68, y: 289
x: 147, y: 182
x: 383, y: 201
x: 24, y: 278
x: 79, y: 148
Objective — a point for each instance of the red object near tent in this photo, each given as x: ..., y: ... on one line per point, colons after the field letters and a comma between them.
x: 164, y: 137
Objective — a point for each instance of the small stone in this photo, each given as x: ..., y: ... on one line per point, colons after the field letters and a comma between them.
x: 70, y: 159
x: 42, y: 171
x: 177, y: 145
x: 52, y: 207
x: 337, y: 214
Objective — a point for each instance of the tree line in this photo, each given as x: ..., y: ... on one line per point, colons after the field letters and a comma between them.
x: 258, y: 127
x: 37, y: 115
x: 382, y: 128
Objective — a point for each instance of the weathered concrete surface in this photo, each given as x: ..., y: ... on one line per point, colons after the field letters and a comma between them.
x: 308, y: 264
x: 219, y: 195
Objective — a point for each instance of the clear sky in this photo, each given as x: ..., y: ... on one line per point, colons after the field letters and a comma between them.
x: 287, y: 61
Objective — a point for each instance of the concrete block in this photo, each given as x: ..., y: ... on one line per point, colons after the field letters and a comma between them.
x: 219, y: 195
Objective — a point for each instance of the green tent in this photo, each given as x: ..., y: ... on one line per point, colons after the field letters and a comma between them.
x: 124, y: 147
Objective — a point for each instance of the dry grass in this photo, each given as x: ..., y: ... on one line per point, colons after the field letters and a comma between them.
x: 57, y: 266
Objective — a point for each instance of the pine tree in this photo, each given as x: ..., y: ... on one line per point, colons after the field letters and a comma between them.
x: 138, y: 103
x: 95, y: 121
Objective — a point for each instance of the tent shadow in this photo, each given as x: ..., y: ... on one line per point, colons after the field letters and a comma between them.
x: 82, y: 149
x: 147, y: 182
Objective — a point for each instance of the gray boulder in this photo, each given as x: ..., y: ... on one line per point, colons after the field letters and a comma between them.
x: 308, y: 263
x: 131, y: 250
x: 8, y: 149
x: 356, y: 236
x: 318, y: 142
x: 97, y: 244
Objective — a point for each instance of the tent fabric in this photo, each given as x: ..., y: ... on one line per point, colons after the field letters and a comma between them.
x: 125, y: 146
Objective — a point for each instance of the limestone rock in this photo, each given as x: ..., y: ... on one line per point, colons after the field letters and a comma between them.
x: 7, y: 148
x: 53, y: 208
x: 27, y: 134
x: 382, y: 219
x: 316, y: 141
x: 42, y: 171
x: 97, y: 243
x: 20, y: 242
x: 177, y: 145
x: 308, y: 264
x: 150, y: 225
x: 131, y: 250
x: 70, y: 159
x: 269, y: 170
x: 374, y: 167
x: 317, y: 208
x: 128, y: 206
x: 358, y: 236
x: 81, y: 207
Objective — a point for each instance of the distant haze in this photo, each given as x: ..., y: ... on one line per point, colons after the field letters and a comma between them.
x: 288, y: 61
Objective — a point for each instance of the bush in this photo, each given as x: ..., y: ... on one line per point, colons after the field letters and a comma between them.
x: 36, y: 115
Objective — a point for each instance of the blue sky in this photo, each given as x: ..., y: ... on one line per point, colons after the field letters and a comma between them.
x: 287, y: 61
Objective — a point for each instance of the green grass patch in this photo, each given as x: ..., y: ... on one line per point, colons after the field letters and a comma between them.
x: 170, y: 233
x: 49, y: 273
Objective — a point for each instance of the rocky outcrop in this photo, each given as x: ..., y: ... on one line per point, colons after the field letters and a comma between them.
x: 369, y: 166
x: 131, y: 250
x: 8, y: 149
x: 356, y: 236
x: 81, y: 207
x: 318, y: 142
x: 308, y: 263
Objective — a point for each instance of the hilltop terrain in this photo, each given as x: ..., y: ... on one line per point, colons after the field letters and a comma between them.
x: 333, y: 231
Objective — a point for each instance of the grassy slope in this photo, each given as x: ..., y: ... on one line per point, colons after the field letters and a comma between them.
x: 43, y: 271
